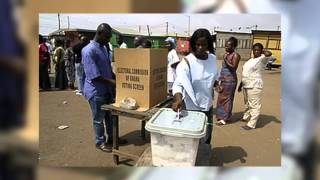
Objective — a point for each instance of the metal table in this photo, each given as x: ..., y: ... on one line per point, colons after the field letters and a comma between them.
x: 142, y: 116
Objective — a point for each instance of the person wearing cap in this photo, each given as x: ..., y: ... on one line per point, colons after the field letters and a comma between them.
x: 172, y: 58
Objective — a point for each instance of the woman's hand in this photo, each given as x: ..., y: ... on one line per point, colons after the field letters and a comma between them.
x: 177, y: 105
x: 218, y: 89
x: 178, y: 102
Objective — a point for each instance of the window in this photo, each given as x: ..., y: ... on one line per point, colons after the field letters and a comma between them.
x: 245, y: 44
x: 248, y: 44
x: 272, y: 44
x: 241, y: 44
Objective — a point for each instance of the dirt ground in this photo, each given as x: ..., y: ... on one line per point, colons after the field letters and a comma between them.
x: 231, y: 146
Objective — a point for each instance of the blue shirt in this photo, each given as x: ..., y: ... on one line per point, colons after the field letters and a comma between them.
x: 96, y: 62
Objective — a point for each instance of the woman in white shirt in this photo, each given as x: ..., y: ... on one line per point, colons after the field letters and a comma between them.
x: 252, y: 85
x: 196, y: 76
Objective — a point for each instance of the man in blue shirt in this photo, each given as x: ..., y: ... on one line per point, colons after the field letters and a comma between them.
x: 99, y: 84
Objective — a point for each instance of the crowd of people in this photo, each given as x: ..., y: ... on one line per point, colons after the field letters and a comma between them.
x: 192, y: 80
x: 65, y: 61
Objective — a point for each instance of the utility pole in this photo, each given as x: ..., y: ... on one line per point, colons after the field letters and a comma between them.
x: 167, y: 28
x: 59, y: 20
x: 68, y: 23
x: 148, y: 30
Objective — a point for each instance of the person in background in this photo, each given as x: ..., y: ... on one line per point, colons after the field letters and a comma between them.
x: 61, y: 81
x: 69, y: 59
x: 78, y: 64
x: 197, y: 75
x: 146, y: 43
x: 50, y: 47
x: 44, y: 64
x: 120, y: 42
x: 137, y: 41
x: 99, y: 84
x: 228, y: 82
x: 172, y: 58
x: 142, y: 42
x: 252, y: 85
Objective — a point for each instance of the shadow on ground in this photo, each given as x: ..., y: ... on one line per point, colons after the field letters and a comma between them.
x: 228, y: 154
x: 134, y: 138
x: 262, y: 122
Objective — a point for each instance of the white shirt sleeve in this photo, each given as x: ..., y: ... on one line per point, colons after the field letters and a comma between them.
x: 183, y: 74
x: 264, y: 60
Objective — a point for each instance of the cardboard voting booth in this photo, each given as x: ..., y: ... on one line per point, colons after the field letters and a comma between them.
x: 142, y: 75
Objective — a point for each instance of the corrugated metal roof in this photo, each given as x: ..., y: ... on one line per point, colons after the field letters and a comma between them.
x: 63, y: 30
x: 118, y: 30
x: 237, y: 32
x: 266, y: 31
x: 126, y: 31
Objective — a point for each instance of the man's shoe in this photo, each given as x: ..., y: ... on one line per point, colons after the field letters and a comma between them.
x: 104, y: 147
x: 120, y: 141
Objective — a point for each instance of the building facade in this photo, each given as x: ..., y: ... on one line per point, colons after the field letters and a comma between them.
x: 244, y: 44
x: 270, y: 40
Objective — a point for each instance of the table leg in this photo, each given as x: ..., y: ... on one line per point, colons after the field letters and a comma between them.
x: 143, y: 130
x: 115, y: 138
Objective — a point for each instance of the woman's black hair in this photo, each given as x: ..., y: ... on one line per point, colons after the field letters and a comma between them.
x: 234, y: 41
x: 259, y: 45
x: 199, y: 33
